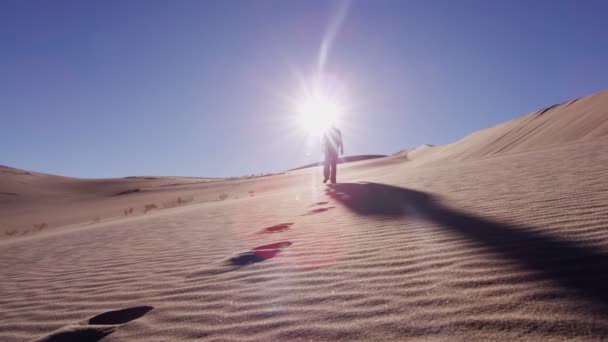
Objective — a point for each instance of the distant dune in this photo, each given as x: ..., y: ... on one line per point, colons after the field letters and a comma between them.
x: 343, y: 160
x: 498, y: 236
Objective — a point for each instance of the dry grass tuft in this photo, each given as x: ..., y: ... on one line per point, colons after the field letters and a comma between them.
x: 128, y: 212
x: 179, y: 201
x: 223, y: 197
x: 185, y: 200
x: 40, y: 226
x: 15, y: 232
x: 96, y: 219
x: 149, y: 207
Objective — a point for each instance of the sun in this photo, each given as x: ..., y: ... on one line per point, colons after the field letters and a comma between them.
x: 317, y: 110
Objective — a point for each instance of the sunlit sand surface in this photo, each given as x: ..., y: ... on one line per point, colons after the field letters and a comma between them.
x: 502, y: 235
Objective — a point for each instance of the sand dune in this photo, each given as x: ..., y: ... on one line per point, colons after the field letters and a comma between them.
x: 499, y: 236
x: 581, y: 119
x: 343, y: 160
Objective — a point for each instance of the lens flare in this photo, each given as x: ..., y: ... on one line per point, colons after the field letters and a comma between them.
x: 320, y: 103
x: 318, y: 111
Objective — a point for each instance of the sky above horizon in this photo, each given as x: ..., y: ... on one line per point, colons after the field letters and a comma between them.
x: 207, y: 88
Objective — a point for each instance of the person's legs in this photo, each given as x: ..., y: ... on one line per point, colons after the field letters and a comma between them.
x: 326, y: 167
x: 334, y: 167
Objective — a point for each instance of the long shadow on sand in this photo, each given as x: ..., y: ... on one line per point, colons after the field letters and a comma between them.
x: 575, y: 267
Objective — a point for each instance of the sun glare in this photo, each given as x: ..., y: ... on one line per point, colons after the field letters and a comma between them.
x: 317, y: 111
x: 320, y: 104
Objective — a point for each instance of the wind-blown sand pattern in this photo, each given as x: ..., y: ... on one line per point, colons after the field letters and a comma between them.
x: 500, y: 236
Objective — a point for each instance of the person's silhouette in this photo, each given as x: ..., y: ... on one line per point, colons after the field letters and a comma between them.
x: 332, y: 141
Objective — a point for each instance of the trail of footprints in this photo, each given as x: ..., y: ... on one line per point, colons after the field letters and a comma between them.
x: 260, y: 253
x: 265, y: 252
x: 96, y: 328
x: 100, y: 326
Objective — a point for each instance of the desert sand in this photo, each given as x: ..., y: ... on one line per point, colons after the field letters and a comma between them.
x: 502, y: 235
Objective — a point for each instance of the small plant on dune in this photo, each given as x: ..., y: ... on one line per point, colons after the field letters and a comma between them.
x: 96, y: 219
x: 169, y: 204
x: 149, y: 207
x: 186, y: 200
x: 179, y: 201
x: 11, y: 232
x: 40, y: 226
x: 128, y: 212
x: 223, y: 197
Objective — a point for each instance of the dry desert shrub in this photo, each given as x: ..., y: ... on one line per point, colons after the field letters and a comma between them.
x: 37, y: 227
x: 128, y: 212
x: 184, y: 200
x: 40, y: 226
x: 223, y: 197
x: 179, y: 201
x: 96, y: 219
x: 149, y: 207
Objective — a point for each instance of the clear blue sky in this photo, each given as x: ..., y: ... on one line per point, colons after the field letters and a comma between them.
x: 199, y: 88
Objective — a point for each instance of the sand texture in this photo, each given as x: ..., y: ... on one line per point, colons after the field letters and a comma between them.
x: 502, y: 235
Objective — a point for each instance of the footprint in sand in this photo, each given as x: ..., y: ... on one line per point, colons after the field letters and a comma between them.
x: 255, y: 255
x: 318, y: 210
x: 120, y: 316
x: 320, y: 203
x: 277, y: 228
x: 96, y: 328
x: 259, y: 254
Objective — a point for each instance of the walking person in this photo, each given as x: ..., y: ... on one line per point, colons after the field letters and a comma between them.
x: 332, y: 141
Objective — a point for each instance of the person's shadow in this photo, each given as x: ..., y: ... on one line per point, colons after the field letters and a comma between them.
x: 570, y: 265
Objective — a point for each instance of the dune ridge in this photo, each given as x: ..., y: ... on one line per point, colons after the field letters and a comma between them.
x: 580, y: 119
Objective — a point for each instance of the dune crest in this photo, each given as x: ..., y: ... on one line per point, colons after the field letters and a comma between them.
x: 581, y: 119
